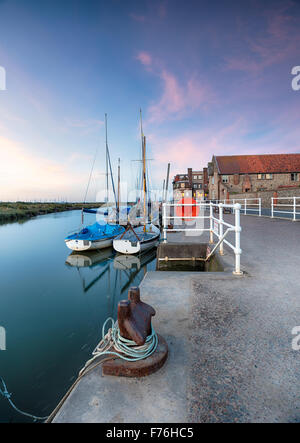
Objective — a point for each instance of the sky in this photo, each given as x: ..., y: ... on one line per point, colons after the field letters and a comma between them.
x: 211, y: 78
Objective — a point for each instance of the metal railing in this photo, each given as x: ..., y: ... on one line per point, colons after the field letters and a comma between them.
x: 216, y: 227
x: 292, y: 204
x: 248, y: 205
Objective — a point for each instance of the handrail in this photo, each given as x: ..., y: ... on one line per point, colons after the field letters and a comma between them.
x: 212, y: 231
x: 295, y: 205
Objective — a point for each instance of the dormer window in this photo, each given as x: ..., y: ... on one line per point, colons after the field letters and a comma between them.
x: 225, y: 179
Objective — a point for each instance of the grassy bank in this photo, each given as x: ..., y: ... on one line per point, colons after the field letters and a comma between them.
x: 10, y: 212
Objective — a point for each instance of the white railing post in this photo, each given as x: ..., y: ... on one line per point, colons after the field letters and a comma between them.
x: 164, y: 224
x: 259, y: 207
x: 245, y: 207
x: 221, y: 228
x: 294, y: 209
x: 272, y: 208
x: 237, y: 249
x: 211, y: 234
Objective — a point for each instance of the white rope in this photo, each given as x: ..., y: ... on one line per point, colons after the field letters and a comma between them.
x: 123, y: 348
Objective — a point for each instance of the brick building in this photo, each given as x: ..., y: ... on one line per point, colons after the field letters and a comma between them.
x: 241, y: 174
x: 191, y: 184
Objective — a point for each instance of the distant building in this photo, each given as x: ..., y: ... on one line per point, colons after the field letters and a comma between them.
x: 191, y: 184
x: 237, y: 174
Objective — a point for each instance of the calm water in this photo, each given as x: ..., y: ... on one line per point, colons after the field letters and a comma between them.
x: 53, y: 306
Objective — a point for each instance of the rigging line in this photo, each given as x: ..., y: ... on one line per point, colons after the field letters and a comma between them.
x: 109, y: 162
x: 112, y: 178
x: 142, y: 133
x: 106, y: 160
x: 88, y: 185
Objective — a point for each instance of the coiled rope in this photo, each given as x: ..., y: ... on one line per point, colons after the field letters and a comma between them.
x: 123, y: 348
x: 4, y: 392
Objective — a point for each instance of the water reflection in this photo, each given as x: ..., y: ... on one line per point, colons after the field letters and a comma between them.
x: 62, y: 302
x: 88, y: 258
x: 105, y: 264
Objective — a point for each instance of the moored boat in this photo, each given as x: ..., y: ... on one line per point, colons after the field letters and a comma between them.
x: 136, y: 240
x: 96, y: 236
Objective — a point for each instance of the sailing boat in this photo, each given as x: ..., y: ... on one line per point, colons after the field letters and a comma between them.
x: 97, y: 235
x: 138, y: 239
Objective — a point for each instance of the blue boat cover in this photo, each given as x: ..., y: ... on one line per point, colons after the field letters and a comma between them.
x: 96, y: 211
x: 97, y: 232
x: 91, y: 211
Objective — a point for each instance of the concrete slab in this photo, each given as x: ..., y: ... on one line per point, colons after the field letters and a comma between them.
x: 230, y: 341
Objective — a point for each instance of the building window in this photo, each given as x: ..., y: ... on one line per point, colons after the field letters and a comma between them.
x: 294, y: 176
x: 261, y: 176
x: 200, y: 186
x: 225, y: 179
x: 269, y: 176
x: 213, y: 180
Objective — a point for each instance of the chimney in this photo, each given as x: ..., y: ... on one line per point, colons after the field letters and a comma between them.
x: 190, y: 177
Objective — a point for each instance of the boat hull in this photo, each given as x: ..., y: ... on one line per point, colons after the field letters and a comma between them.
x: 127, y: 246
x: 88, y: 245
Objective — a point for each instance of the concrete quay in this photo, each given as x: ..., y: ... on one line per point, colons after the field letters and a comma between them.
x: 230, y: 341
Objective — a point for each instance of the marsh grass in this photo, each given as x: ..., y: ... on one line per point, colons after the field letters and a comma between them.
x: 14, y: 211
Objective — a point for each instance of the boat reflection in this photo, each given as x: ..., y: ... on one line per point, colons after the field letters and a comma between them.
x: 112, y: 274
x: 89, y: 258
x: 124, y: 262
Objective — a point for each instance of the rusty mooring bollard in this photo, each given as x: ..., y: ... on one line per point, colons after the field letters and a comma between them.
x: 134, y: 317
x: 134, y: 320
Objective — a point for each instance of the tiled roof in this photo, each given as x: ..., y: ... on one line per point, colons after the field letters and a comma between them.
x: 255, y: 164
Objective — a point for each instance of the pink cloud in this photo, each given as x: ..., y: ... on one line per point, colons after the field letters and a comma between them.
x: 145, y: 58
x: 279, y: 40
x: 195, y: 149
x: 178, y: 99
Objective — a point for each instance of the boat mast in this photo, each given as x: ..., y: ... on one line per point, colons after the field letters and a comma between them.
x: 106, y: 161
x: 144, y: 180
x: 144, y: 167
x: 167, y: 182
x: 118, y: 206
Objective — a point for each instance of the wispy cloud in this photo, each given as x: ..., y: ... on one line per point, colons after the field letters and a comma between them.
x: 178, y: 98
x: 144, y: 58
x: 277, y: 40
